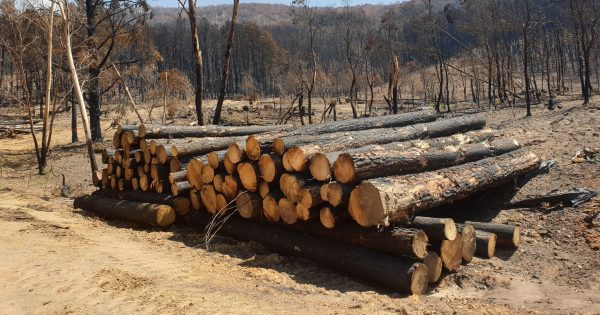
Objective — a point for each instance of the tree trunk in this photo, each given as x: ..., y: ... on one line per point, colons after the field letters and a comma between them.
x: 397, y: 273
x: 302, y: 148
x: 141, y: 212
x: 321, y: 164
x: 191, y: 11
x: 355, y: 167
x: 74, y: 137
x: 226, y: 62
x: 398, y: 198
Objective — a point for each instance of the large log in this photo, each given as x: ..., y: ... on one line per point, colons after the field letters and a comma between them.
x: 397, y: 241
x: 358, y: 166
x: 254, y: 145
x: 303, y: 148
x: 168, y: 132
x: 402, y: 274
x: 181, y: 205
x: 399, y: 198
x: 321, y: 164
x: 507, y: 234
x: 141, y: 212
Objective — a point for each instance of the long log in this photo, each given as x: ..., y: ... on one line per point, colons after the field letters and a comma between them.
x: 405, y: 242
x: 398, y: 198
x: 302, y: 148
x: 254, y: 145
x: 168, y: 132
x: 181, y: 205
x: 141, y: 212
x: 507, y: 234
x: 358, y: 166
x: 400, y: 274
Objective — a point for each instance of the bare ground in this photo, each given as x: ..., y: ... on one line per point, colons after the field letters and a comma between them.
x: 55, y: 259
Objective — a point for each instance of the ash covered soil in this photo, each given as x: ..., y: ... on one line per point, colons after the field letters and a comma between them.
x: 56, y: 259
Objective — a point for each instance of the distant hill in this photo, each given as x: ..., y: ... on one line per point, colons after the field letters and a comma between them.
x: 277, y: 14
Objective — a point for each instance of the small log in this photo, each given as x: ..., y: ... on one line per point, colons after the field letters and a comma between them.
x: 159, y: 172
x: 234, y: 153
x: 285, y: 162
x: 174, y: 165
x: 469, y: 241
x: 178, y: 176
x: 215, y: 159
x: 249, y: 175
x: 194, y: 173
x: 400, y: 274
x: 436, y: 228
x: 290, y: 185
x: 135, y: 184
x: 486, y: 244
x: 230, y: 167
x: 270, y: 206
x: 147, y: 213
x: 207, y: 174
x: 209, y: 198
x: 330, y: 216
x: 338, y: 195
x: 434, y: 266
x: 181, y: 188
x: 144, y: 183
x: 310, y: 196
x: 264, y: 189
x: 507, y: 234
x: 271, y: 167
x: 249, y: 205
x: 398, y: 198
x: 218, y: 182
x: 287, y: 211
x: 221, y: 202
x: 304, y: 214
x: 196, y: 200
x: 231, y: 186
x: 124, y: 184
x: 450, y: 252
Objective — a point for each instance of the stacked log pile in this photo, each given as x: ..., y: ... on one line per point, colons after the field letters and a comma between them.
x: 347, y: 194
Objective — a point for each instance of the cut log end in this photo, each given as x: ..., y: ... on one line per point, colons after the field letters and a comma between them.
x: 365, y: 205
x: 469, y: 242
x: 419, y: 244
x: 249, y: 205
x: 207, y: 174
x: 297, y: 159
x: 209, y: 198
x: 320, y: 167
x: 165, y: 216
x: 343, y: 169
x: 419, y: 279
x: 271, y: 209
x: 248, y: 176
x: 278, y: 146
x: 517, y: 237
x: 267, y: 168
x: 287, y: 211
x: 253, y: 148
x: 234, y: 153
x: 434, y: 266
x: 181, y: 205
x: 451, y: 253
x: 327, y: 217
x: 221, y: 202
x: 213, y: 160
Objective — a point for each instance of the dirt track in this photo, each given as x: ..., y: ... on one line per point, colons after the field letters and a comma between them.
x: 54, y: 259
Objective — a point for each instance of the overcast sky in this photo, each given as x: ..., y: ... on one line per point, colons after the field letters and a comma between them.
x: 173, y: 3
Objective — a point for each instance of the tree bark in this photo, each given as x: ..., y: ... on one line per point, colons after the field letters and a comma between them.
x: 169, y: 132
x: 355, y: 167
x: 141, y: 212
x: 303, y: 148
x: 398, y: 198
x: 226, y: 62
x: 191, y: 11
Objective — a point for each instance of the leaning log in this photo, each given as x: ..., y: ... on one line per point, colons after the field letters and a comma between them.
x: 358, y: 166
x: 507, y: 234
x: 402, y: 274
x: 302, y: 148
x: 398, y: 198
x: 141, y: 212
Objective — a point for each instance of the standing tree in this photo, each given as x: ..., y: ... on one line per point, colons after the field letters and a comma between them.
x: 226, y: 62
x: 191, y: 12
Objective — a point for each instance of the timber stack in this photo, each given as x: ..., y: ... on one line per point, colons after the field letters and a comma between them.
x: 348, y: 194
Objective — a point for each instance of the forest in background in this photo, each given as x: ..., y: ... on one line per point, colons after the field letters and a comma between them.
x: 433, y: 52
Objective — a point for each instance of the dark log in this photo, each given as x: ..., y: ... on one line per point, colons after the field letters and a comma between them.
x: 405, y: 242
x: 569, y: 198
x: 507, y: 234
x: 486, y: 244
x: 181, y: 205
x: 141, y: 212
x: 358, y: 166
x: 168, y: 132
x: 398, y: 198
x: 400, y: 274
x: 436, y: 228
x: 303, y: 148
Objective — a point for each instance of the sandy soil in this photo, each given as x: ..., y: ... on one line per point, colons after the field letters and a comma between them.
x: 55, y: 259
